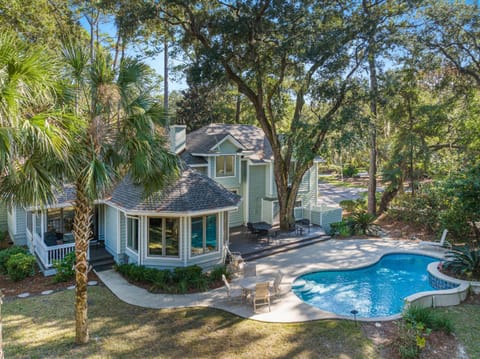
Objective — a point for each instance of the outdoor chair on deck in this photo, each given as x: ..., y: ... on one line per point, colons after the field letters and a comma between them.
x: 276, y: 283
x: 236, y: 261
x: 442, y: 244
x: 253, y: 231
x: 249, y: 270
x: 232, y: 294
x: 261, y: 296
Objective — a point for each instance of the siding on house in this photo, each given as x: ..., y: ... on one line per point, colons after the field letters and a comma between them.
x: 257, y: 192
x: 203, y: 170
x: 111, y: 231
x: 123, y: 234
x: 17, y: 225
x: 3, y: 217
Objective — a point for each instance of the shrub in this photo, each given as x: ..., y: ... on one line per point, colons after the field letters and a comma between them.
x: 342, y: 229
x: 348, y: 205
x: 20, y: 266
x: 429, y: 318
x: 189, y: 274
x: 65, y: 268
x: 464, y: 261
x: 362, y: 221
x: 350, y: 171
x: 6, y: 254
x: 216, y: 274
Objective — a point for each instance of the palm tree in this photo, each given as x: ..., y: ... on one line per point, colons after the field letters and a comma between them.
x: 33, y: 133
x: 120, y: 132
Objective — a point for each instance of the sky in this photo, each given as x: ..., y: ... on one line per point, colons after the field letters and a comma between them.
x: 176, y: 82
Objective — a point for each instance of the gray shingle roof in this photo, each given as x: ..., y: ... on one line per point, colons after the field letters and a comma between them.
x: 190, y: 193
x: 252, y: 138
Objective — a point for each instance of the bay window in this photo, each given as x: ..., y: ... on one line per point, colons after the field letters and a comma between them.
x: 204, y: 234
x: 163, y: 237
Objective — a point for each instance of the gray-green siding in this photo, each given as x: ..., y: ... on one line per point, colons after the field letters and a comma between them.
x: 3, y: 217
x: 256, y: 192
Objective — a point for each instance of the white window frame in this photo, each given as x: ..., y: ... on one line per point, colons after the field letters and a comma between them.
x: 131, y: 232
x: 225, y: 165
x: 164, y: 239
x: 204, y: 235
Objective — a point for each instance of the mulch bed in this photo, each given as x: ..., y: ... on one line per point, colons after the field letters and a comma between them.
x: 439, y: 345
x: 35, y: 285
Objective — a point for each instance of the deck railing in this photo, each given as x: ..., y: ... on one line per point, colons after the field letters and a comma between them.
x: 49, y: 254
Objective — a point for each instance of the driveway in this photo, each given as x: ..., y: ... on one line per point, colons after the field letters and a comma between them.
x: 330, y: 195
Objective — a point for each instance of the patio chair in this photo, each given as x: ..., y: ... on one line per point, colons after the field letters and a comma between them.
x: 443, y: 242
x: 236, y: 261
x: 261, y: 296
x: 253, y: 231
x: 232, y: 294
x: 276, y: 283
x: 249, y: 270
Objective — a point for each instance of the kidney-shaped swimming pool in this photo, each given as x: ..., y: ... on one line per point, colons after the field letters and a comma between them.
x: 374, y: 291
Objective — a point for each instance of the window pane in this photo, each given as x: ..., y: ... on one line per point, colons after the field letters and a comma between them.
x: 29, y: 221
x: 219, y: 165
x: 211, y: 240
x: 197, y: 235
x: 132, y: 233
x: 155, y: 246
x: 171, y: 236
x: 38, y: 223
x: 229, y: 165
x: 54, y: 220
x: 68, y: 214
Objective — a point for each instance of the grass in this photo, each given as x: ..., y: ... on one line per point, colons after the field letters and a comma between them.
x: 43, y: 327
x: 466, y: 325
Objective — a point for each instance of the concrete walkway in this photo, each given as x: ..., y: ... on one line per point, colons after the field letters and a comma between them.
x: 288, y: 307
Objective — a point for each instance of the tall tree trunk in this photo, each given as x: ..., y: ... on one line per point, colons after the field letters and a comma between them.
x: 1, y: 326
x: 82, y: 231
x: 237, y: 109
x: 165, y: 75
x: 372, y: 170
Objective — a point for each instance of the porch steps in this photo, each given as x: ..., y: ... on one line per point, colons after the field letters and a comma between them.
x: 100, y: 259
x: 265, y: 252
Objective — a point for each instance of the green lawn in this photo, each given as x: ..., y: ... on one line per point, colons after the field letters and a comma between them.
x: 43, y: 327
x: 466, y: 320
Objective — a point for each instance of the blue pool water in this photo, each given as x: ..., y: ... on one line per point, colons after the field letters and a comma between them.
x: 374, y: 291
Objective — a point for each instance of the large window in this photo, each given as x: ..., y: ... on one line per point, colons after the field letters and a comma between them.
x: 29, y: 221
x: 163, y: 237
x: 204, y: 234
x: 132, y: 233
x: 225, y: 166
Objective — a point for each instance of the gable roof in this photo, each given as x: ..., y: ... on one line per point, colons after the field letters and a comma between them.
x: 192, y: 192
x: 206, y: 139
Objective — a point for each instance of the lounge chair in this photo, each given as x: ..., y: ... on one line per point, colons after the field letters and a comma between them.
x: 443, y: 242
x: 232, y: 294
x: 261, y: 296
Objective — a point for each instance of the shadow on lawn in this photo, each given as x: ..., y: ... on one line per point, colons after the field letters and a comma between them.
x: 44, y: 327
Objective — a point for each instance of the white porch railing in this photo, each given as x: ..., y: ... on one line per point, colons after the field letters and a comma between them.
x: 319, y: 215
x: 49, y: 254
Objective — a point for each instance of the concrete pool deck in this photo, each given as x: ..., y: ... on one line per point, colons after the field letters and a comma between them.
x: 287, y: 308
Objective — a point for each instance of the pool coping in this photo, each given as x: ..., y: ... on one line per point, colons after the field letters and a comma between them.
x: 408, y: 300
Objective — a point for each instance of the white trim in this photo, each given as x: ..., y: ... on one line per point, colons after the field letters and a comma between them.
x: 250, y: 163
x: 163, y: 257
x: 198, y: 165
x: 230, y: 138
x: 119, y: 231
x: 168, y: 214
x: 234, y: 166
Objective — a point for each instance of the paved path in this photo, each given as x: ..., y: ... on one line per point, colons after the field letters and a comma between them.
x: 329, y: 194
x: 287, y: 308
